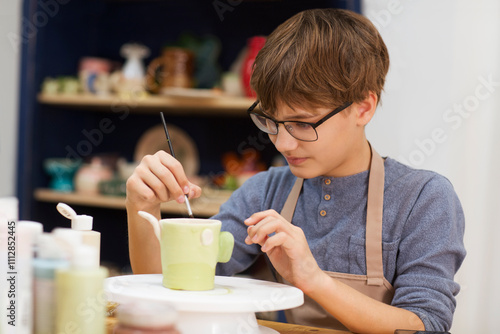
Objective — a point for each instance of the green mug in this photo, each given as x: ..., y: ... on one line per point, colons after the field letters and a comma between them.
x: 190, y: 250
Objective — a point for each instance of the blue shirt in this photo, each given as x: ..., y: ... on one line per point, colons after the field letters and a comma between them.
x: 422, y: 234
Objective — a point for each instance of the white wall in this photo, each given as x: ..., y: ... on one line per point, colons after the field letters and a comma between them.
x: 10, y: 14
x: 441, y: 111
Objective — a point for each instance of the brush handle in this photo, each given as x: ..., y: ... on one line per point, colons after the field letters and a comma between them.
x: 190, y: 212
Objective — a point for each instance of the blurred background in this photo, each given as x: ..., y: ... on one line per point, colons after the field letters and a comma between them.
x: 69, y: 89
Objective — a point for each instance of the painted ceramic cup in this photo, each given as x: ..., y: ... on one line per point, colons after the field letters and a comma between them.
x: 190, y: 250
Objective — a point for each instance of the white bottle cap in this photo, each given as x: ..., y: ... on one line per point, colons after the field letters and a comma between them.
x: 9, y: 208
x: 4, y: 232
x: 27, y: 232
x: 8, y: 212
x: 82, y: 223
x: 36, y: 228
x: 48, y: 247
x: 67, y: 238
x: 84, y: 257
x: 78, y: 222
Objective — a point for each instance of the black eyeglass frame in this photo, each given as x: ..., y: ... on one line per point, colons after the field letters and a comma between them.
x: 313, y: 125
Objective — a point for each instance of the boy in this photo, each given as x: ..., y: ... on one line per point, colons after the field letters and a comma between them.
x: 373, y: 244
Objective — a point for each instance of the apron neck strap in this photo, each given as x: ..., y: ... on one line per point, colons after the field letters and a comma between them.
x: 374, y: 212
x: 291, y: 201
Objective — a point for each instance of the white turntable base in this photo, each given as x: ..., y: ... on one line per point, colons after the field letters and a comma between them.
x: 227, y: 309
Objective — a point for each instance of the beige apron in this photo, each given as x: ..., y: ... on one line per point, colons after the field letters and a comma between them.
x: 373, y: 284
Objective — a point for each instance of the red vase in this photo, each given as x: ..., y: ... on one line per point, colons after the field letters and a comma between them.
x: 254, y: 45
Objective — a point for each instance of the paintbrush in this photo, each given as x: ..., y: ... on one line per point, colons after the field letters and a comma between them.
x: 173, y: 155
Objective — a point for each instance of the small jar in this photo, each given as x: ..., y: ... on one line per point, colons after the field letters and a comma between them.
x: 88, y: 177
x: 146, y: 318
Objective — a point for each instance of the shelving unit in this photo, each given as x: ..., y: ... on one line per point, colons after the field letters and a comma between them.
x: 225, y: 106
x: 197, y: 106
x: 51, y: 125
x: 205, y: 206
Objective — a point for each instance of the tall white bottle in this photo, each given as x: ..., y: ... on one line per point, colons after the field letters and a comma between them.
x: 27, y: 232
x: 80, y: 299
x: 8, y: 213
x: 50, y: 256
x: 83, y: 224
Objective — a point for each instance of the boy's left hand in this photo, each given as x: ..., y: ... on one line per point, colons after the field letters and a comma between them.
x: 287, y: 248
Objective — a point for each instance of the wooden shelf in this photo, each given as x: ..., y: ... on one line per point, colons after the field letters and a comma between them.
x: 206, y: 106
x: 205, y: 206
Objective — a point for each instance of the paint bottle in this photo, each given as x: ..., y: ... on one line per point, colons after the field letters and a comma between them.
x: 9, y: 208
x: 26, y: 234
x: 67, y: 239
x: 140, y: 317
x: 50, y: 257
x: 8, y: 216
x: 80, y: 299
x: 83, y: 224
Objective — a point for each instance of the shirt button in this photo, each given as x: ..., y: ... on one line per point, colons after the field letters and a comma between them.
x: 322, y: 213
x: 327, y: 197
x: 328, y: 181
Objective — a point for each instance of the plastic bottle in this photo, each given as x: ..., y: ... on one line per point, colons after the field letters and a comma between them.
x: 80, y: 299
x: 26, y: 234
x: 50, y: 257
x: 8, y: 213
x: 9, y: 208
x: 146, y: 318
x: 83, y: 224
x: 67, y: 239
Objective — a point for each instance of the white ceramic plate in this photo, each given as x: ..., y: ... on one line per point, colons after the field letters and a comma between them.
x: 185, y: 149
x: 231, y: 294
x: 229, y: 308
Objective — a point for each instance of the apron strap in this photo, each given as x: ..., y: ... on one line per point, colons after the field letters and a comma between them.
x: 291, y: 201
x: 374, y: 213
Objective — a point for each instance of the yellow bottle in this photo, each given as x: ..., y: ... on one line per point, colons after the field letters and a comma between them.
x: 81, y: 303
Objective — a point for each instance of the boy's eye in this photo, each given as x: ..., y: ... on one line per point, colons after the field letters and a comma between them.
x: 301, y: 126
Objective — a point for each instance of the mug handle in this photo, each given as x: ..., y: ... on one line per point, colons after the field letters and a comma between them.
x: 226, y: 245
x: 152, y: 80
x: 154, y: 223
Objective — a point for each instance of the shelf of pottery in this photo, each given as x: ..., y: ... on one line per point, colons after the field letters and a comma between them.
x: 100, y: 87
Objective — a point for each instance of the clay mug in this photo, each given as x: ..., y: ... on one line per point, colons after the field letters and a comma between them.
x: 190, y: 250
x: 174, y: 68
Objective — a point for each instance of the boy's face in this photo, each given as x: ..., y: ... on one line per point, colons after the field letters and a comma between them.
x: 335, y: 153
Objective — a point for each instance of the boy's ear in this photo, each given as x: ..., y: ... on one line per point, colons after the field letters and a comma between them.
x: 366, y: 108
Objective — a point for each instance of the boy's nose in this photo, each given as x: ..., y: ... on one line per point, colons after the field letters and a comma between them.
x: 284, y: 141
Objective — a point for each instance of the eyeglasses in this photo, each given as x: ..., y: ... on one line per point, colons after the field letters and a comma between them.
x: 303, y: 131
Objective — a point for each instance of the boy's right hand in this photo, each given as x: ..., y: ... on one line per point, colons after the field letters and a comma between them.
x: 158, y: 178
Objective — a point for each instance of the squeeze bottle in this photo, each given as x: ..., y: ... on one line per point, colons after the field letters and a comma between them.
x: 26, y: 234
x: 80, y: 299
x: 9, y: 214
x: 50, y: 257
x: 83, y: 224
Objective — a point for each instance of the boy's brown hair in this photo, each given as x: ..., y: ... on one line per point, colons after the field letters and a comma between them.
x: 320, y: 58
